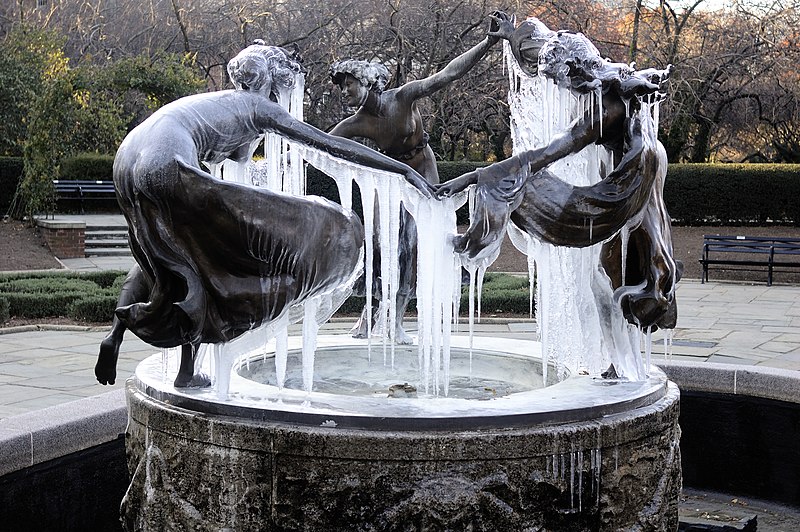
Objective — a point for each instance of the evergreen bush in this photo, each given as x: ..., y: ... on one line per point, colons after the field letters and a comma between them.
x: 91, y: 166
x: 96, y: 308
x: 733, y: 194
x: 84, y: 296
x: 5, y: 307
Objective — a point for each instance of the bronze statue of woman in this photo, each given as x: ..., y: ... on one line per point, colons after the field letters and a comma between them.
x: 522, y: 190
x: 215, y: 258
x: 391, y: 119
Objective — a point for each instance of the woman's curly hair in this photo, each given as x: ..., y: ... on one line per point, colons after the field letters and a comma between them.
x: 261, y: 68
x: 375, y: 76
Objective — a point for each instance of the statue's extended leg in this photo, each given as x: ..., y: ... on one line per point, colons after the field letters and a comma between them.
x: 361, y: 327
x: 186, y: 377
x: 407, y: 286
x: 135, y: 289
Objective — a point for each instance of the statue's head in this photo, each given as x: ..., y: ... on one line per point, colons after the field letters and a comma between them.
x: 527, y: 41
x: 374, y: 76
x: 264, y: 69
x: 571, y: 60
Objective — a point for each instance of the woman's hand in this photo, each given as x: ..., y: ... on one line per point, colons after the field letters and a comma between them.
x: 420, y: 183
x: 501, y: 27
x: 454, y: 186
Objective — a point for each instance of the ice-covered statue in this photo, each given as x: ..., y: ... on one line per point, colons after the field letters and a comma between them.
x: 588, y: 173
x: 216, y: 258
x: 390, y: 118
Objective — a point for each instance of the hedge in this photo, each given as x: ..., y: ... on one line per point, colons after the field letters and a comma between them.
x: 92, y: 166
x: 5, y: 307
x: 733, y: 194
x: 92, y: 297
x: 81, y: 296
x: 724, y: 194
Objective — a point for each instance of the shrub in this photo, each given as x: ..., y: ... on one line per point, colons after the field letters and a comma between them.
x: 4, y: 309
x: 733, y: 194
x: 93, y: 166
x: 96, y: 308
x: 106, y: 278
x: 83, y: 296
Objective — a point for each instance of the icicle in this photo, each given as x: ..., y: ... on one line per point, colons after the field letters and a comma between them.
x: 164, y: 363
x: 310, y: 328
x: 580, y: 480
x: 481, y: 274
x: 281, y: 351
x: 572, y: 480
x: 367, y: 186
x: 472, y: 280
x: 648, y: 348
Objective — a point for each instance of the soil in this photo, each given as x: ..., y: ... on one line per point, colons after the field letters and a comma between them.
x: 23, y: 248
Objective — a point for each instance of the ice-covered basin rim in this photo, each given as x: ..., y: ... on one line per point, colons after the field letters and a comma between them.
x: 578, y: 398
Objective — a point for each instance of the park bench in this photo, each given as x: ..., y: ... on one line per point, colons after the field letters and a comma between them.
x: 750, y: 253
x: 84, y: 190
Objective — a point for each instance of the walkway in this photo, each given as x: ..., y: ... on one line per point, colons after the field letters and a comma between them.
x: 717, y: 322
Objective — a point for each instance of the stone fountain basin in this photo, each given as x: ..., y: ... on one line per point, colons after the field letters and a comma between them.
x: 499, y: 385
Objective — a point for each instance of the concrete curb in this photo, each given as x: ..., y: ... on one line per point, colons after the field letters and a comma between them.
x: 734, y: 379
x: 36, y: 437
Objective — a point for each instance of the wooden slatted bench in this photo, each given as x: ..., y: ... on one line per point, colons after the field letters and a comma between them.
x: 757, y: 252
x: 84, y: 190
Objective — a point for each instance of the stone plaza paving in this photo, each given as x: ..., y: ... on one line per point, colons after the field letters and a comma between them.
x: 727, y: 323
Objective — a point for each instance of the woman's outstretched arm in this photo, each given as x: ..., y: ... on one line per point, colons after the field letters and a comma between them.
x: 502, y: 26
x: 277, y: 120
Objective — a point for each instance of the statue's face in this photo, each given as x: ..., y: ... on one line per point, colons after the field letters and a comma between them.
x: 354, y: 93
x: 526, y: 43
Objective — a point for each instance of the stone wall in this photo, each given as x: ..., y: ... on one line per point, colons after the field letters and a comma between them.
x: 67, y: 240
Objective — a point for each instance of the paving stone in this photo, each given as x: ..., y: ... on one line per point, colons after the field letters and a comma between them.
x: 725, y: 322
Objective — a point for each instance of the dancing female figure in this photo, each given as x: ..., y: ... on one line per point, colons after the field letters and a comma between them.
x: 214, y: 258
x: 391, y: 119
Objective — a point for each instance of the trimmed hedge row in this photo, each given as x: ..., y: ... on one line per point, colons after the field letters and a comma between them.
x: 724, y: 194
x: 90, y: 297
x: 695, y: 194
x: 733, y: 194
x: 92, y: 166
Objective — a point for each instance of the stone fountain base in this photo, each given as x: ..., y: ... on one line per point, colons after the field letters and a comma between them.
x: 610, y: 466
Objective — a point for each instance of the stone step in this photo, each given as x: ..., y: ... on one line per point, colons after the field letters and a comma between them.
x: 108, y: 252
x: 106, y: 243
x: 106, y: 233
x: 106, y: 227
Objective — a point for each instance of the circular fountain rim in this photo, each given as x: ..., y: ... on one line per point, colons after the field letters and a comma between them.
x: 577, y: 398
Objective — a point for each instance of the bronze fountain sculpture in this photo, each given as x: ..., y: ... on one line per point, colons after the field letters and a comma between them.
x: 561, y: 454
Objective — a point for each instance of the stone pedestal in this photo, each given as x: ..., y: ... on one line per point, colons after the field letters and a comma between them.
x: 198, y: 471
